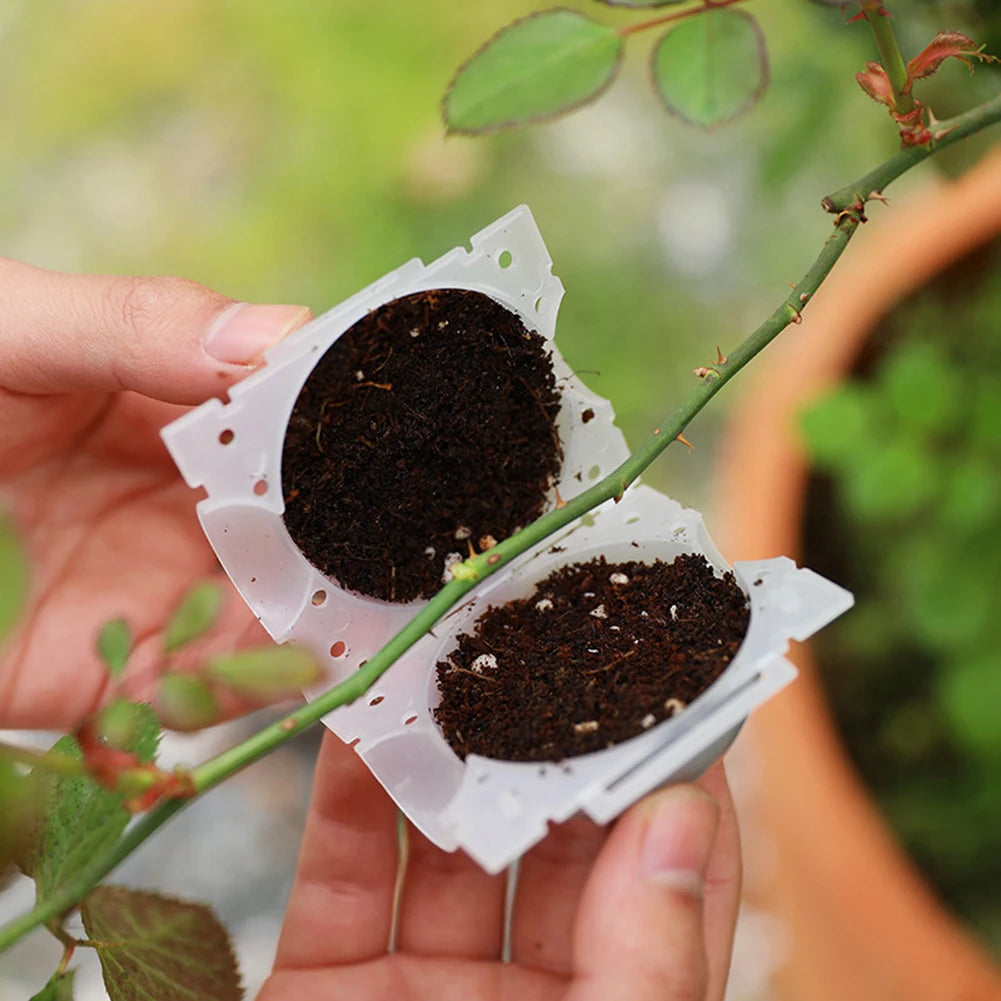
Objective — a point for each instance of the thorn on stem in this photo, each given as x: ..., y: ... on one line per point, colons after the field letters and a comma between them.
x: 560, y: 502
x: 721, y: 358
x: 684, y: 441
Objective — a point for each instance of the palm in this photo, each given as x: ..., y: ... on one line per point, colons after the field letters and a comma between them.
x: 110, y: 530
x: 417, y: 978
x: 583, y: 924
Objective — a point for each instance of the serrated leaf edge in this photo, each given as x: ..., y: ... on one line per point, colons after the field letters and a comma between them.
x: 751, y: 101
x: 531, y: 119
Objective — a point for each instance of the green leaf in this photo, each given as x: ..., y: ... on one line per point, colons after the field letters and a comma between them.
x: 837, y: 425
x: 712, y: 68
x: 59, y: 988
x: 970, y: 694
x: 972, y: 489
x: 185, y: 702
x: 120, y: 722
x: 534, y: 69
x: 194, y: 616
x: 79, y: 818
x: 891, y: 482
x: 114, y: 644
x: 922, y: 387
x: 267, y: 673
x: 13, y: 576
x: 153, y: 947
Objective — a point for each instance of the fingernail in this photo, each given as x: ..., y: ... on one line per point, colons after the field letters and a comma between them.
x: 241, y: 333
x: 679, y: 838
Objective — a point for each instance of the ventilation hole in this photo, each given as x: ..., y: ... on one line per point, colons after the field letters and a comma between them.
x: 505, y: 259
x: 261, y: 488
x: 338, y: 649
x: 225, y: 437
x: 539, y: 303
x: 409, y: 720
x: 594, y: 472
x: 376, y: 700
x: 319, y: 597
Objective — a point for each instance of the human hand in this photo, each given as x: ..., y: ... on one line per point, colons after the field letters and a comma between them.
x: 645, y: 910
x: 91, y: 367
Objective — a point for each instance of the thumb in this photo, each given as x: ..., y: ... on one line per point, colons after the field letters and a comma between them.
x: 167, y: 338
x: 639, y: 929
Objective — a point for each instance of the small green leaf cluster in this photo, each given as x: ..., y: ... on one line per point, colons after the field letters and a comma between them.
x: 149, y: 945
x: 909, y: 469
x: 75, y: 805
x: 709, y: 66
x: 190, y: 699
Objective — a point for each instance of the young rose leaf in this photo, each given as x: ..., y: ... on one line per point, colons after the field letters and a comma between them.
x: 79, y: 818
x: 185, y: 702
x: 153, y: 947
x: 534, y: 69
x: 194, y: 616
x: 945, y: 45
x: 114, y: 644
x: 59, y: 988
x: 119, y: 722
x: 13, y: 576
x: 712, y: 68
x: 268, y: 673
x: 875, y: 82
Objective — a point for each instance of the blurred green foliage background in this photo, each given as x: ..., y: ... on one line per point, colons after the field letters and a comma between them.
x: 293, y: 152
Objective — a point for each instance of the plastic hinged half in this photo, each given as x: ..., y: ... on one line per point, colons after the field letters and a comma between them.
x: 233, y: 450
x: 495, y: 810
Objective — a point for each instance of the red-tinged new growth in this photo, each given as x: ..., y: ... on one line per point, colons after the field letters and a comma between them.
x: 143, y: 783
x: 876, y: 83
x: 915, y: 122
x: 945, y: 45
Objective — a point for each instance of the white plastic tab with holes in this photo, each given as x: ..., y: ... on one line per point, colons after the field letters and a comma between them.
x: 494, y: 810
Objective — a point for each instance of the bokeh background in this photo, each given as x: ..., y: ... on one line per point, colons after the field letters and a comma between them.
x: 293, y: 152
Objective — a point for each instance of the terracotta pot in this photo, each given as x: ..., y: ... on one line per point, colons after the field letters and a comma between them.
x: 861, y: 922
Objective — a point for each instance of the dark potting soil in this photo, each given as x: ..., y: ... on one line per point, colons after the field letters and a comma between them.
x: 426, y: 427
x: 598, y: 653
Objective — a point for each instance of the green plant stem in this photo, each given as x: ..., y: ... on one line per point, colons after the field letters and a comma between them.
x: 848, y: 202
x: 889, y: 51
x: 656, y: 22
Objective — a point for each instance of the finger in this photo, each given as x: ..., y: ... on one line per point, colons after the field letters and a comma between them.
x: 639, y: 933
x: 166, y: 338
x: 723, y: 882
x: 449, y: 905
x: 551, y: 880
x: 341, y: 906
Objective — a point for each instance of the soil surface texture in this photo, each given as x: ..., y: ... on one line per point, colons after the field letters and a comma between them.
x: 427, y: 427
x: 598, y: 653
